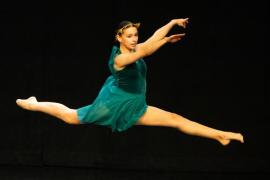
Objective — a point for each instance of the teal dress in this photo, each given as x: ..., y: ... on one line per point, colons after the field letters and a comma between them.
x: 121, y: 100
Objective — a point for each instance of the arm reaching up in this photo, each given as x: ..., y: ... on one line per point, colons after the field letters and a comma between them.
x: 151, y: 45
x: 164, y: 30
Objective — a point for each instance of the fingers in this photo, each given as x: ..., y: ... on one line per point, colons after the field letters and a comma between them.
x: 185, y: 22
x: 176, y: 37
x: 182, y: 34
x: 179, y: 35
x: 175, y: 40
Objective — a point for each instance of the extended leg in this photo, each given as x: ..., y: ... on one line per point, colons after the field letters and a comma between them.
x: 158, y: 117
x: 54, y: 109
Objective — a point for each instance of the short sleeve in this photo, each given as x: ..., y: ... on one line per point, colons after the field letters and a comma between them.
x: 115, y: 51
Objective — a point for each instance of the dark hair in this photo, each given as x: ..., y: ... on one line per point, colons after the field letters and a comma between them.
x: 125, y: 24
x: 122, y: 24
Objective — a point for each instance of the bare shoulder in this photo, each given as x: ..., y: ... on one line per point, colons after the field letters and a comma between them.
x: 128, y: 58
x: 116, y: 64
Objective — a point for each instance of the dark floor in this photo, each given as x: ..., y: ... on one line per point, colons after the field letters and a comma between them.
x: 56, y: 173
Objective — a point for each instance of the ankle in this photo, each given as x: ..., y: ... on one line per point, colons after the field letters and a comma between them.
x: 221, y: 138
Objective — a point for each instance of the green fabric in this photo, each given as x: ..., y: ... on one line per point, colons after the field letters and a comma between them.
x: 121, y: 100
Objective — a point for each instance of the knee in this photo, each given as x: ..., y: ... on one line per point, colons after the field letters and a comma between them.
x: 174, y: 116
x: 174, y: 120
x: 179, y: 122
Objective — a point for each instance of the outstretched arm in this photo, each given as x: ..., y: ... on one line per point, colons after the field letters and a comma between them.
x: 152, y: 44
x: 164, y: 30
x: 159, y: 38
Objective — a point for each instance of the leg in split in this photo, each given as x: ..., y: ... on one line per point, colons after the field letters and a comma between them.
x: 57, y: 110
x: 158, y: 117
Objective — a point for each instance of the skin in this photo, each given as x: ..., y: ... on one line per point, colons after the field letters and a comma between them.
x: 131, y: 51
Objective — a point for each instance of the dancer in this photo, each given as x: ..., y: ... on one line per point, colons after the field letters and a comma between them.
x: 121, y: 102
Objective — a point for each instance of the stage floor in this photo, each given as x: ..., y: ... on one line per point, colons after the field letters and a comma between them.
x: 69, y: 173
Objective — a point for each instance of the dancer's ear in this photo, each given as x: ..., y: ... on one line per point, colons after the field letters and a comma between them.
x: 118, y: 38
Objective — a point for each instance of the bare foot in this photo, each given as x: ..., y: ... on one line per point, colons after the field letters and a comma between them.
x: 226, y: 138
x: 27, y: 103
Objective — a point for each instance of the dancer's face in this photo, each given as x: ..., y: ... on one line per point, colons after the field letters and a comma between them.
x: 129, y: 38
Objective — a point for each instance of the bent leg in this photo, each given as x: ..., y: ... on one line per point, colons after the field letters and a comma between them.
x: 57, y: 110
x: 158, y: 117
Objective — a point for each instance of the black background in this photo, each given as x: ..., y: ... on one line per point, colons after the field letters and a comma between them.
x: 218, y: 75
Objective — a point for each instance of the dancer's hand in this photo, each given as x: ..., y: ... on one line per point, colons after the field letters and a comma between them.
x: 181, y: 22
x: 175, y: 38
